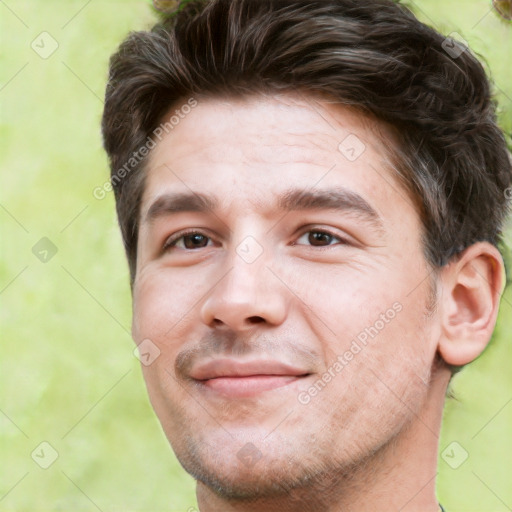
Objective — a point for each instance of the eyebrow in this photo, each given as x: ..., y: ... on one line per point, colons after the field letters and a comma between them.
x: 168, y: 204
x: 340, y: 199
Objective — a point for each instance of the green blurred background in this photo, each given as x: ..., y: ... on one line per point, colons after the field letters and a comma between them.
x: 68, y: 374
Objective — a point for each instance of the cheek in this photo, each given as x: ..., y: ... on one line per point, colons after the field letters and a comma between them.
x: 371, y: 312
x: 162, y: 302
x: 382, y: 381
x: 346, y: 298
x: 163, y: 309
x: 391, y: 355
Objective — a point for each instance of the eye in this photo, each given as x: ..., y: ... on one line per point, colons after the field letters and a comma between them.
x: 319, y: 238
x: 187, y: 241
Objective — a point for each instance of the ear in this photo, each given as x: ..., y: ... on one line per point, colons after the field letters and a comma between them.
x: 471, y: 289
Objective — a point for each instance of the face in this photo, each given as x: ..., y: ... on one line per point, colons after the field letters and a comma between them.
x: 281, y: 277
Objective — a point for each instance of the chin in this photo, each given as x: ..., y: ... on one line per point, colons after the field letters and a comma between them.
x: 246, y: 474
x: 231, y: 480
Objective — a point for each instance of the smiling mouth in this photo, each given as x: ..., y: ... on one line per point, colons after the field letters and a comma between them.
x: 240, y: 386
x: 237, y: 378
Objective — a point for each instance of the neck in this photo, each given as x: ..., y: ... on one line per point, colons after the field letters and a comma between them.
x: 400, y: 476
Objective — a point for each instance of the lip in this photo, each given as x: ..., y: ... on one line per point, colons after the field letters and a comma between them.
x: 245, y: 378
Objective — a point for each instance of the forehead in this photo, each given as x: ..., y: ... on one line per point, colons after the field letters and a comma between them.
x: 256, y: 147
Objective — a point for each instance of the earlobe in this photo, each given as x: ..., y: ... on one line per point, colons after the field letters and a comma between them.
x: 471, y: 291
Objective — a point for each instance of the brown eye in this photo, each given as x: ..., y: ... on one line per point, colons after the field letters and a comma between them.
x: 320, y: 238
x: 187, y: 241
x: 195, y: 240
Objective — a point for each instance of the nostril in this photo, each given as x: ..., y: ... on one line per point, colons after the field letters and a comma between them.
x: 255, y: 319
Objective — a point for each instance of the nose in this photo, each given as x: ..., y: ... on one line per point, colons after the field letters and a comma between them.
x: 246, y: 295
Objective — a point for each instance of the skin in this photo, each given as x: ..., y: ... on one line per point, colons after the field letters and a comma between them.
x: 305, y: 298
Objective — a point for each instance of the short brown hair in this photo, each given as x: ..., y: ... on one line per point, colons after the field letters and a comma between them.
x: 372, y: 55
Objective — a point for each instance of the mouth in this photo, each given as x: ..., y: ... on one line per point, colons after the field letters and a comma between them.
x: 240, y: 379
x: 250, y: 385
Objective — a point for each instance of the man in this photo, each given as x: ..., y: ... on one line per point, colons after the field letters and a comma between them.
x: 310, y: 194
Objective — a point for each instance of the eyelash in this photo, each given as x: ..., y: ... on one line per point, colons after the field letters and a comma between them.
x: 172, y: 241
